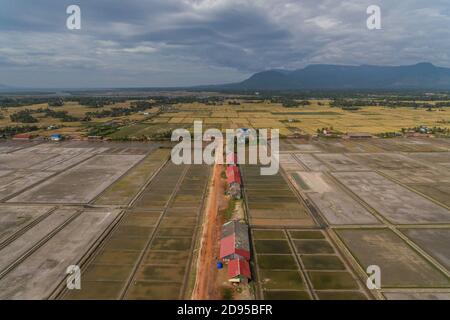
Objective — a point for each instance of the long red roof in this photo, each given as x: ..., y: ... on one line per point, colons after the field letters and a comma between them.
x: 229, y: 246
x: 239, y: 267
x: 23, y: 136
x: 233, y: 174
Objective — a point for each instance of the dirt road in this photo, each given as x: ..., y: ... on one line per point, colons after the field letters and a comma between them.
x: 206, y: 284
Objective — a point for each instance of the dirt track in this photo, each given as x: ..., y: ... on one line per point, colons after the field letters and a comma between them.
x: 206, y: 287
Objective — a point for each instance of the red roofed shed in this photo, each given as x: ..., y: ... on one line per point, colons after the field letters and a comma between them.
x: 233, y: 175
x: 233, y: 248
x: 239, y: 270
x: 22, y: 136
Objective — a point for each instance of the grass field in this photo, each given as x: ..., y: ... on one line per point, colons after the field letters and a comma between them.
x: 74, y: 109
x: 303, y: 119
x: 306, y: 118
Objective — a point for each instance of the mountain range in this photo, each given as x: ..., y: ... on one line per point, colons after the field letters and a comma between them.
x: 420, y: 76
x: 344, y: 77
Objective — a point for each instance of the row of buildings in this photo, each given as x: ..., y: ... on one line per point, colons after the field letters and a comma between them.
x: 234, y: 242
x: 235, y: 251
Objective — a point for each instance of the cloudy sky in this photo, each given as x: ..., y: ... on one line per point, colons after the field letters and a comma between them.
x: 129, y: 43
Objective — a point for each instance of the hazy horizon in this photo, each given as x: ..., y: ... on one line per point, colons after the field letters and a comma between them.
x: 5, y: 88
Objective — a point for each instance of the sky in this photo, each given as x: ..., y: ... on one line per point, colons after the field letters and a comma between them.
x: 163, y: 43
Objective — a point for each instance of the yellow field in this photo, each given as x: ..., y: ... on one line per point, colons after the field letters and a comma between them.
x: 73, y: 109
x: 305, y: 119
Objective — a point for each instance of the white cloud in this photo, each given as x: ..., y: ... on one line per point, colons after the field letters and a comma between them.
x: 140, y: 49
x: 323, y: 22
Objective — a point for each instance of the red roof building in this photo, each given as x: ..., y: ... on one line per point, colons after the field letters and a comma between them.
x: 233, y: 175
x: 239, y: 269
x: 235, y: 247
x: 234, y: 182
x: 234, y: 227
x: 22, y: 136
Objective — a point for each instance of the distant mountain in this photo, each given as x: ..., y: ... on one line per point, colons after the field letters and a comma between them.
x: 341, y: 77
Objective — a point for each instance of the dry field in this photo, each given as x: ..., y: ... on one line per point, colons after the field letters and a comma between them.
x: 148, y: 255
x: 382, y: 202
x: 302, y: 265
x: 304, y: 119
x: 103, y: 207
x: 271, y: 201
x: 73, y: 109
x: 130, y: 219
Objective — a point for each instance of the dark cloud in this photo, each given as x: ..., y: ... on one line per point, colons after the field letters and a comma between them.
x: 187, y: 42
